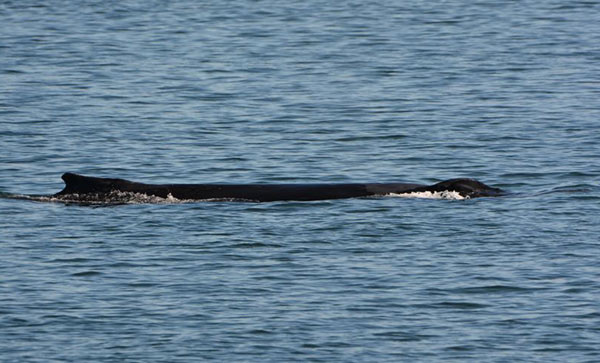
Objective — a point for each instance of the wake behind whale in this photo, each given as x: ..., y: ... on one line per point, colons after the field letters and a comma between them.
x: 93, y: 190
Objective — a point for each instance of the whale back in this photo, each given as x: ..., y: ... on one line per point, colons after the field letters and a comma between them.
x: 99, y: 188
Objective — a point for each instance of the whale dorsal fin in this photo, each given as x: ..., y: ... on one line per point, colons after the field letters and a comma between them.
x: 80, y: 184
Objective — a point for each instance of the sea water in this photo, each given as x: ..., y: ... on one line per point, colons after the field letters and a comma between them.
x: 301, y: 92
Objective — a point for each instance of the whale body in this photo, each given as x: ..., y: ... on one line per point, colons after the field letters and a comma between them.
x: 88, y: 188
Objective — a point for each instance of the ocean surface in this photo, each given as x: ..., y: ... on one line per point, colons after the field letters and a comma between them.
x: 507, y: 92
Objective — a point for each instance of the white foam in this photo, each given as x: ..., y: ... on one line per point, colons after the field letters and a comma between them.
x: 119, y: 197
x: 114, y: 197
x: 446, y: 194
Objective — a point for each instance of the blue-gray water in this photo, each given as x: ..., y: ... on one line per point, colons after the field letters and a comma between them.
x: 311, y: 91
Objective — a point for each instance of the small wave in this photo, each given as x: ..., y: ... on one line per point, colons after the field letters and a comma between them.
x: 578, y: 188
x: 446, y: 194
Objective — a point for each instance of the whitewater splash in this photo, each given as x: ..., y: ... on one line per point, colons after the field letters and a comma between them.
x: 118, y: 197
x: 112, y: 198
x: 446, y: 194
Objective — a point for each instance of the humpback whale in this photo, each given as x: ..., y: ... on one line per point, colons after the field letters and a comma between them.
x: 85, y: 188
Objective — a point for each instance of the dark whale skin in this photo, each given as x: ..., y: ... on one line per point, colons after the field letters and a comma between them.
x: 76, y: 184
